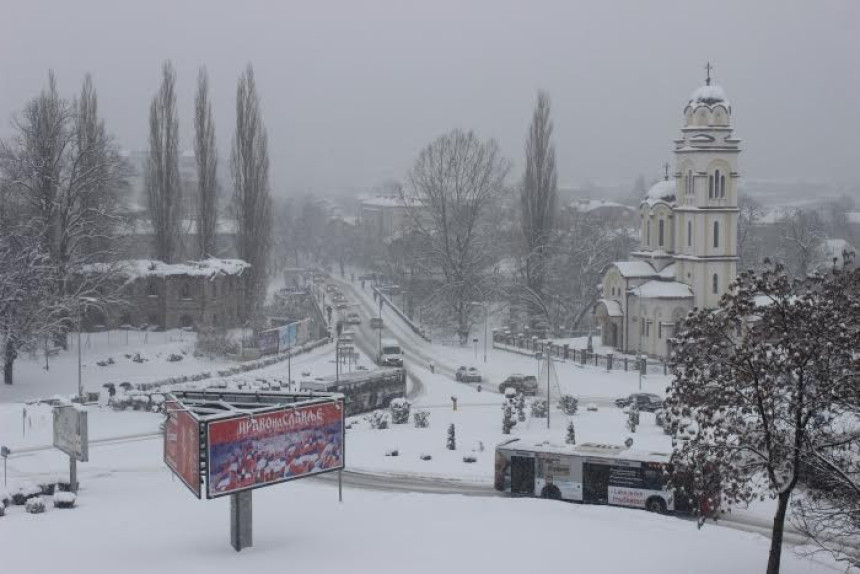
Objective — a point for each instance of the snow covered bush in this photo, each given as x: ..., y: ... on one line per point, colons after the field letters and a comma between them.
x: 540, y: 409
x: 173, y: 357
x: 378, y: 420
x: 25, y: 493
x: 392, y: 452
x: 451, y: 443
x: 2, y: 509
x: 422, y: 419
x: 214, y: 341
x: 64, y: 499
x: 568, y: 404
x: 470, y: 459
x: 400, y: 411
x: 35, y: 505
x: 5, y: 498
x: 570, y: 437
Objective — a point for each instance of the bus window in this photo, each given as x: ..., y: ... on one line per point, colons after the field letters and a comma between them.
x: 653, y: 479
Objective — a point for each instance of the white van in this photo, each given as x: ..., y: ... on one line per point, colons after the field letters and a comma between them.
x: 390, y: 355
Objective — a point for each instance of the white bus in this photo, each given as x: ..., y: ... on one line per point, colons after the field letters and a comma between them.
x: 390, y: 354
x: 589, y: 473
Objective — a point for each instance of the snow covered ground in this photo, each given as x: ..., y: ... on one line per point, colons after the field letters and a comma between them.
x: 133, y: 516
x: 33, y: 381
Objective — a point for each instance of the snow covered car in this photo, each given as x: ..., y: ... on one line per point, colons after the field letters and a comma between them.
x: 525, y: 384
x: 648, y: 402
x: 468, y: 375
x: 353, y: 318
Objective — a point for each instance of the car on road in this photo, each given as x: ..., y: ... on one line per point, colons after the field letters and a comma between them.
x: 468, y: 375
x: 341, y: 305
x: 390, y: 355
x: 647, y: 402
x: 353, y: 318
x: 525, y: 384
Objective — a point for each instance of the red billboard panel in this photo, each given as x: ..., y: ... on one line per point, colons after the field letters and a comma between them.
x: 260, y: 450
x: 182, y: 446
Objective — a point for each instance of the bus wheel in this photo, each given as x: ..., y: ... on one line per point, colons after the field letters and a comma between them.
x: 656, y: 504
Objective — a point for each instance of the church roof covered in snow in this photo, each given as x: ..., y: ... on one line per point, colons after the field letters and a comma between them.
x: 709, y: 95
x: 661, y: 191
x: 208, y: 268
x: 663, y: 290
x: 635, y: 269
x: 613, y: 308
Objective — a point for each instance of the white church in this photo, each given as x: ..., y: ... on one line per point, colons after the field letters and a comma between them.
x: 687, y: 255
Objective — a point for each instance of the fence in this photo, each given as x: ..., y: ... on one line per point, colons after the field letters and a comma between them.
x: 564, y: 353
x: 415, y: 328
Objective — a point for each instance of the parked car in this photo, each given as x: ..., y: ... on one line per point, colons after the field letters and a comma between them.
x: 468, y: 375
x: 648, y: 402
x: 525, y: 384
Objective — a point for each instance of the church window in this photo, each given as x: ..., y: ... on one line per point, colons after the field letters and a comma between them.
x: 661, y: 232
x: 690, y: 183
x: 647, y: 328
x: 648, y: 233
x: 711, y: 186
x: 722, y: 186
x: 659, y: 330
x: 716, y: 285
x: 716, y: 234
x: 642, y: 327
x: 689, y: 234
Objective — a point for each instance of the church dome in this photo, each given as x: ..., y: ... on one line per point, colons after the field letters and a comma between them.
x: 709, y: 95
x: 661, y: 191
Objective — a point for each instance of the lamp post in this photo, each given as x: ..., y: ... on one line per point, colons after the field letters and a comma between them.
x: 486, y: 317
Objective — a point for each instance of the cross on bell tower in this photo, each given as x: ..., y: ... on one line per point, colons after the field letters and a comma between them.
x: 708, y: 68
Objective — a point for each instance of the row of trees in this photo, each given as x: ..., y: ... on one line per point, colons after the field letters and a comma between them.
x: 63, y: 204
x: 251, y: 204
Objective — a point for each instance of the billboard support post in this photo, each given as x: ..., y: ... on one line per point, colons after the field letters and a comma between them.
x: 340, y: 486
x: 241, y: 523
x: 73, y: 474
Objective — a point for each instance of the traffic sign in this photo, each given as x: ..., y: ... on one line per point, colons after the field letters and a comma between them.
x: 376, y: 323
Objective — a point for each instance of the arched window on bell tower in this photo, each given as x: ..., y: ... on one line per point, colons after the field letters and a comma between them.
x: 689, y: 234
x: 711, y: 186
x: 716, y: 283
x: 648, y: 233
x: 716, y: 234
x: 661, y: 232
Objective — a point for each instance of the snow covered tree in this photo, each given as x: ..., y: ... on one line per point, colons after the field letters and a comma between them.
x: 521, y: 407
x: 252, y: 199
x: 451, y: 443
x: 570, y: 437
x: 206, y: 156
x: 801, y: 233
x: 750, y: 239
x: 507, y: 418
x: 162, y: 182
x: 771, y: 379
x: 422, y: 419
x: 63, y: 179
x: 540, y: 408
x: 400, y: 411
x: 568, y: 404
x: 454, y: 185
x: 539, y: 197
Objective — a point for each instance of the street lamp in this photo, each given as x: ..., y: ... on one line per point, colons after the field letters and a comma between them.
x: 486, y: 316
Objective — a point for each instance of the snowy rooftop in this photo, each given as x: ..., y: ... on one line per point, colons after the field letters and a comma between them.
x: 663, y: 290
x: 613, y: 308
x: 635, y: 269
x: 585, y: 205
x: 661, y: 191
x: 206, y: 268
x: 709, y: 95
x: 383, y: 201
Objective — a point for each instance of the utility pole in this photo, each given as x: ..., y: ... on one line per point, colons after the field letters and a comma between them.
x: 548, y: 406
x: 486, y: 318
x: 80, y: 381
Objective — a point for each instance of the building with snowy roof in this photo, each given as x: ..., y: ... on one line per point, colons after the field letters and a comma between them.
x: 687, y: 253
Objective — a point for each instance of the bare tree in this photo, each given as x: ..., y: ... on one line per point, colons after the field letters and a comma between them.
x: 206, y: 155
x: 252, y: 199
x: 801, y: 235
x: 750, y: 240
x: 163, y: 185
x: 539, y: 197
x: 454, y: 183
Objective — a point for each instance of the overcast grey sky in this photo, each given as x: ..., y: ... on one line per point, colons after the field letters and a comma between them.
x: 352, y: 90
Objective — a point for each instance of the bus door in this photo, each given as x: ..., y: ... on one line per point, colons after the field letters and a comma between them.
x: 523, y: 475
x: 595, y: 479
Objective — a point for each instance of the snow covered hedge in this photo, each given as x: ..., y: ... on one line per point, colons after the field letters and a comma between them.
x: 400, y: 411
x: 64, y: 499
x: 35, y: 505
x: 540, y: 409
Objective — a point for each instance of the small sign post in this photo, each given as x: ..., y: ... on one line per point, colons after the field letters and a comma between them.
x: 4, y: 452
x: 71, y: 437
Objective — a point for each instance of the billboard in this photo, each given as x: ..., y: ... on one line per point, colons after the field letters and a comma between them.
x: 267, y: 341
x: 70, y: 432
x: 263, y: 449
x: 182, y: 445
